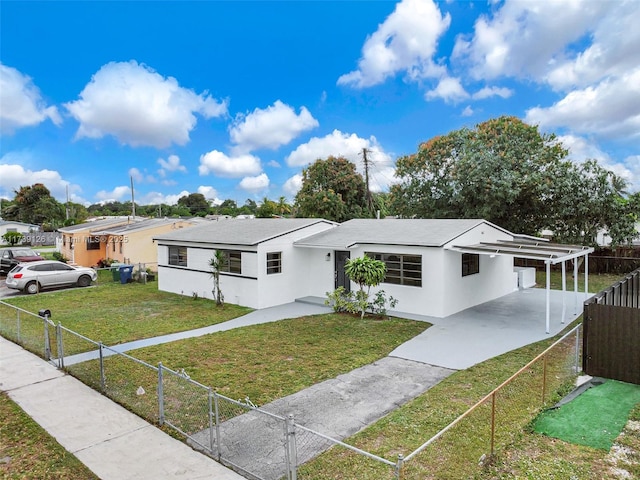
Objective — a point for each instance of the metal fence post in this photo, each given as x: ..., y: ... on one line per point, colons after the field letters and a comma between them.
x: 60, y: 345
x: 210, y: 398
x: 291, y: 447
x: 18, y: 325
x: 160, y: 395
x: 47, y: 345
x: 399, y: 466
x: 217, y: 418
x: 103, y: 383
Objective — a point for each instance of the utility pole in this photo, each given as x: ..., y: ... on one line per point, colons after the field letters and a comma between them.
x: 133, y: 202
x: 368, y: 196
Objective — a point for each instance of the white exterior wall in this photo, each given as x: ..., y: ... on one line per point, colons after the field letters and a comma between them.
x: 253, y: 288
x: 494, y: 280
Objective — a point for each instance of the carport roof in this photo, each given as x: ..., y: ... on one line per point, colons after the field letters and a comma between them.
x: 536, y: 250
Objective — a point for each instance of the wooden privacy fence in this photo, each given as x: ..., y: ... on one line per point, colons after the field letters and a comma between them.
x: 611, y: 342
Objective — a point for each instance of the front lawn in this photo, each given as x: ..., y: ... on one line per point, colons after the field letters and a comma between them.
x: 113, y: 313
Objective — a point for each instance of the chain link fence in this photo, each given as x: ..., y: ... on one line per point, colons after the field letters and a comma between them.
x: 265, y: 446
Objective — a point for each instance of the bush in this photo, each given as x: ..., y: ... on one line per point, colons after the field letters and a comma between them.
x: 349, y: 302
x: 59, y: 257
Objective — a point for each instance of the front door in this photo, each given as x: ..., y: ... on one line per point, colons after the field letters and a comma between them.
x: 341, y: 278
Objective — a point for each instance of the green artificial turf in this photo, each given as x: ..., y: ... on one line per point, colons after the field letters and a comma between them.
x: 595, y: 418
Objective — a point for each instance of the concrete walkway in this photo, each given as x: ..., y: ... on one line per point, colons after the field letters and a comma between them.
x: 111, y: 441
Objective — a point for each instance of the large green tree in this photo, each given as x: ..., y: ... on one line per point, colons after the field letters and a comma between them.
x: 196, y: 203
x: 331, y: 189
x: 500, y: 171
x: 34, y: 204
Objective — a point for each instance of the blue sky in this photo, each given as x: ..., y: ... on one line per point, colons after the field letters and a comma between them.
x: 234, y: 99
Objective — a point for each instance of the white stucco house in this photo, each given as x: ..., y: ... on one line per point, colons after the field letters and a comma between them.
x: 435, y: 267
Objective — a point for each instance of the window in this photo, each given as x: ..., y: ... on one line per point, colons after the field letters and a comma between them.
x: 232, y: 261
x: 178, y: 256
x: 470, y: 264
x: 274, y: 263
x: 113, y: 241
x: 401, y: 269
x: 93, y: 243
x: 64, y: 240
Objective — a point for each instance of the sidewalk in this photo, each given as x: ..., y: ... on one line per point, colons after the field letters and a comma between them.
x: 111, y: 441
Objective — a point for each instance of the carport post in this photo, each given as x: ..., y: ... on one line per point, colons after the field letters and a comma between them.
x: 548, y: 265
x: 586, y: 276
x: 575, y: 286
x: 564, y: 291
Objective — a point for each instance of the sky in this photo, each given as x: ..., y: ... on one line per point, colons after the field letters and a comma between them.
x: 234, y: 99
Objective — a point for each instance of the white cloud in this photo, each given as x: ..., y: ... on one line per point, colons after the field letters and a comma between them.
x: 156, y: 198
x: 21, y: 104
x: 115, y: 195
x: 525, y: 39
x: 255, y: 184
x: 138, y: 106
x: 467, y: 112
x: 405, y: 42
x: 269, y: 128
x: 171, y: 164
x: 13, y: 176
x: 449, y: 89
x: 293, y: 185
x: 337, y: 144
x: 610, y: 109
x: 488, y: 92
x: 141, y: 177
x: 274, y: 164
x: 340, y: 144
x: 210, y: 193
x: 220, y: 164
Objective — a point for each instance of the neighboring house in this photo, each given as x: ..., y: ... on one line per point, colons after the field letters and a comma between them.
x: 133, y: 242
x: 20, y: 227
x: 83, y: 244
x: 434, y: 267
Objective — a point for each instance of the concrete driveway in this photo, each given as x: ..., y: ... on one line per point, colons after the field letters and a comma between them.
x: 491, y: 329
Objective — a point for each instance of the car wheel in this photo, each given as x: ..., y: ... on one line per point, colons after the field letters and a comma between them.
x: 31, y: 288
x: 84, y: 281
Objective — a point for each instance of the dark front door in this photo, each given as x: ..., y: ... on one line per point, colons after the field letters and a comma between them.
x: 341, y: 278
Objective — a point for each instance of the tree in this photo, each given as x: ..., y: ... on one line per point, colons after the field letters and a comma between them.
x: 13, y: 238
x: 283, y: 207
x: 196, y: 203
x: 228, y: 207
x: 500, y: 171
x: 34, y: 204
x: 587, y: 199
x: 216, y: 263
x: 331, y: 189
x: 267, y: 208
x: 366, y: 272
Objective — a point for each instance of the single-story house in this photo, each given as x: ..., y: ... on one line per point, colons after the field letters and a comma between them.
x: 133, y: 242
x: 435, y: 267
x: 20, y: 227
x: 83, y: 244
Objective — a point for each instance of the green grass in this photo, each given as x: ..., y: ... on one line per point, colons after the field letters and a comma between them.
x: 29, y: 452
x: 597, y: 283
x: 114, y: 313
x: 270, y: 361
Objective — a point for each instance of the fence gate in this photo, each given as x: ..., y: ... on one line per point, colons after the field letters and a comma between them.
x: 611, y: 341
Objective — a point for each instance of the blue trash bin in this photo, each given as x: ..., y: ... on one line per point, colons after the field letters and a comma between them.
x: 126, y: 273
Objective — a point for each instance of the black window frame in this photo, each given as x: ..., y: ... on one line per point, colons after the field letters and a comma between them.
x: 402, y: 268
x: 470, y: 264
x: 274, y: 263
x: 232, y: 262
x: 93, y: 242
x: 178, y: 256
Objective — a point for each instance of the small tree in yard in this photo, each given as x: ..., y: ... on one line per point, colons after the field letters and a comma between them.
x: 216, y: 263
x: 366, y: 272
x: 13, y: 238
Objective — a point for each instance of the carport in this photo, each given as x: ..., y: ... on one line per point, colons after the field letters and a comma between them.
x: 537, y: 249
